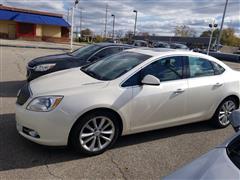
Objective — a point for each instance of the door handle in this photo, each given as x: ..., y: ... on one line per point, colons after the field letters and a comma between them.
x: 179, y: 91
x: 218, y: 84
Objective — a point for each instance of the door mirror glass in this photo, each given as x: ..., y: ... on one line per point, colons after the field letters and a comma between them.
x: 235, y: 120
x: 150, y: 80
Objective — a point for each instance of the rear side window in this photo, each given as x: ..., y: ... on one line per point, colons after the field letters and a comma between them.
x: 218, y: 69
x: 199, y: 67
x: 105, y: 52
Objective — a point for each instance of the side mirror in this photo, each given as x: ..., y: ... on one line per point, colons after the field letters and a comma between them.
x: 150, y: 80
x: 235, y: 120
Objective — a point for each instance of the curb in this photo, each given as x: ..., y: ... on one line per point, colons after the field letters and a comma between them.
x: 37, y: 47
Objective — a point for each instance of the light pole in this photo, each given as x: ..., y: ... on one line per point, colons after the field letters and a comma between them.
x: 72, y: 25
x: 135, y: 25
x: 113, y: 26
x: 213, y: 26
x: 106, y: 15
x: 81, y: 19
x: 220, y: 31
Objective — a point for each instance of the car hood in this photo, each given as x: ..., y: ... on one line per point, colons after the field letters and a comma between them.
x: 63, y: 81
x: 50, y: 59
x: 214, y: 165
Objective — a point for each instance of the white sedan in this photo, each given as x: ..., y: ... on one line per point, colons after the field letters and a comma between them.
x: 134, y: 91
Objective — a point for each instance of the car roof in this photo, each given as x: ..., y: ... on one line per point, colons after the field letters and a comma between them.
x: 158, y: 52
x: 106, y: 44
x: 153, y: 51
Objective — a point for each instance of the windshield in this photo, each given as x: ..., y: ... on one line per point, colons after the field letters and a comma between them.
x: 114, y: 66
x: 85, y: 51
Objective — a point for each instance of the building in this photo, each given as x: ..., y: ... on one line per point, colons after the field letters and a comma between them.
x: 16, y: 23
x: 191, y: 42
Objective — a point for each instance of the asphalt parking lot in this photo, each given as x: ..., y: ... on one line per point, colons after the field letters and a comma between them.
x: 149, y: 155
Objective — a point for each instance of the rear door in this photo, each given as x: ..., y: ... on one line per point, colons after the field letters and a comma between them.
x: 206, y: 88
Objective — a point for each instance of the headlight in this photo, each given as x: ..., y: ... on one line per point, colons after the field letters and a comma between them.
x: 44, y: 103
x: 44, y: 67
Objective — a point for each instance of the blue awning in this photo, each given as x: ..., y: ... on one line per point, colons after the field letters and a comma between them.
x: 32, y: 18
x: 7, y: 15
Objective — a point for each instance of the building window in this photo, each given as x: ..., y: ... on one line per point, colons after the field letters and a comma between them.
x: 26, y: 29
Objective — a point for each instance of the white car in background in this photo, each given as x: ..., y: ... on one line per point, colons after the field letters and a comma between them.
x: 223, y: 162
x: 134, y: 91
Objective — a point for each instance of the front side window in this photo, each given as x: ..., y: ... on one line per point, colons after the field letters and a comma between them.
x: 199, y: 67
x: 166, y: 69
x: 114, y: 66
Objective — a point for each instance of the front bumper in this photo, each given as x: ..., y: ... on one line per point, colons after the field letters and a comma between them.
x: 52, y: 127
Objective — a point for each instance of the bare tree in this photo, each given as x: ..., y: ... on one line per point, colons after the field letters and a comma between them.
x: 119, y: 33
x: 184, y: 31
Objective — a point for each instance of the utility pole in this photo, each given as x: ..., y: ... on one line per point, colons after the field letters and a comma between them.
x: 68, y: 13
x: 105, y: 30
x: 220, y: 31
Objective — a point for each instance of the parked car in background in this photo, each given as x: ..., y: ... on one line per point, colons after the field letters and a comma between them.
x: 87, y: 54
x: 133, y: 91
x: 223, y: 162
x: 160, y: 44
x: 178, y: 46
x: 140, y: 43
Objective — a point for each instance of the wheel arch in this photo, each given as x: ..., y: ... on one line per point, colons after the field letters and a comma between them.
x: 102, y: 109
x: 234, y: 96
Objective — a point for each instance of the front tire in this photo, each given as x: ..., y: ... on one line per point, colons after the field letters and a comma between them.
x: 95, y: 133
x: 221, y: 116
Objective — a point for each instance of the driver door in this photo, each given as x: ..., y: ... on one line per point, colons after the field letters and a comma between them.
x: 154, y: 107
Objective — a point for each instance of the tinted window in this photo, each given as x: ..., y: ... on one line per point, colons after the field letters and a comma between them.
x: 217, y: 68
x: 114, y: 66
x: 106, y: 52
x: 133, y: 81
x: 85, y: 51
x: 200, y: 67
x: 166, y: 69
x: 233, y: 151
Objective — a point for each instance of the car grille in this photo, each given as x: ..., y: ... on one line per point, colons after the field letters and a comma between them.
x: 23, y: 95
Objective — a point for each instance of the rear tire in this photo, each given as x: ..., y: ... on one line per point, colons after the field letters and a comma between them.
x: 221, y: 116
x: 95, y: 132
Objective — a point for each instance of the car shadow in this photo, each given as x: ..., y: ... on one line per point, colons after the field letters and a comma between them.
x: 10, y: 88
x: 17, y: 152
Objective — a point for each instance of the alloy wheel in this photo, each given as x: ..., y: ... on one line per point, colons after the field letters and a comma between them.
x: 226, y: 109
x: 97, y: 134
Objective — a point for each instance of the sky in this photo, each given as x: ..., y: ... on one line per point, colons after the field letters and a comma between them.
x: 158, y: 17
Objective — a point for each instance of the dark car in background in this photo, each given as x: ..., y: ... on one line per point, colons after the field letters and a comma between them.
x: 178, y: 46
x: 160, y: 44
x: 82, y: 56
x: 140, y: 43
